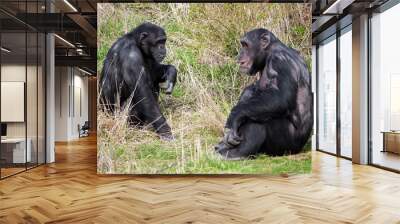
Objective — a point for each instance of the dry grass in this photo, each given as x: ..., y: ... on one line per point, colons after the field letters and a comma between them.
x: 203, y: 40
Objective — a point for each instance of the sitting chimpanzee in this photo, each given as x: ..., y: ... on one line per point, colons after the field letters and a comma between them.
x: 132, y: 76
x: 275, y: 114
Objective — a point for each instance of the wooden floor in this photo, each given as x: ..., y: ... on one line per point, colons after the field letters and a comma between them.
x: 70, y: 191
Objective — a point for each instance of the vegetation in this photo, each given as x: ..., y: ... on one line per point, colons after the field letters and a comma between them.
x: 203, y: 41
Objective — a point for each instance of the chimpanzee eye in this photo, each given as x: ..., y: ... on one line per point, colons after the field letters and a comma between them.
x: 161, y: 42
x: 244, y: 44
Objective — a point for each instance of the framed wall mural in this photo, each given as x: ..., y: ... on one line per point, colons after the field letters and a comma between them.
x: 204, y: 88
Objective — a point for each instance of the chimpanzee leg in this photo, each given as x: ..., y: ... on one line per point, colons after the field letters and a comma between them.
x: 253, y: 135
x: 150, y: 113
x: 283, y: 138
x: 247, y: 93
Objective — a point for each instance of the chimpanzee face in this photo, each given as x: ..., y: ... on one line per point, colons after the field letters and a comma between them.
x: 157, y: 48
x: 252, y: 53
x: 246, y: 55
x: 153, y: 44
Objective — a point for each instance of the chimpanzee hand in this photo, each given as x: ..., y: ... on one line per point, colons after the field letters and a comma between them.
x: 170, y: 79
x: 231, y: 137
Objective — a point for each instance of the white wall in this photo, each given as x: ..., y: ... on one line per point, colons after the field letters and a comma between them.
x: 80, y: 84
x: 70, y: 83
x: 61, y: 103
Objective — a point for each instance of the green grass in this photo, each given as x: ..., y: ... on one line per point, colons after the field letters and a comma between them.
x: 263, y: 164
x: 203, y: 41
x: 181, y: 157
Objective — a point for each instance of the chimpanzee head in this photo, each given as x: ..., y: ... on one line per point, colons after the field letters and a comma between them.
x: 253, y: 51
x: 151, y: 40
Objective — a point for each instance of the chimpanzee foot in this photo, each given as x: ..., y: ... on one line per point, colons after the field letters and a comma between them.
x: 164, y: 132
x: 227, y: 152
x: 232, y: 154
x: 221, y: 146
x: 168, y: 137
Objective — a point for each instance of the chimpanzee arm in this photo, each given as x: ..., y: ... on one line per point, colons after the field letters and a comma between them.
x: 277, y: 99
x: 161, y: 71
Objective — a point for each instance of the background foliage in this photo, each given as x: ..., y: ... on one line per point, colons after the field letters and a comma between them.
x: 203, y: 41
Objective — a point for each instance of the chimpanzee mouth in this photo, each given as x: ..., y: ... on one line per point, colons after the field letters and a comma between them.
x: 245, y: 67
x: 160, y: 58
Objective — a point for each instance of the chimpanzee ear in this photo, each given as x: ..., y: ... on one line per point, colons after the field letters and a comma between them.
x: 264, y: 40
x: 143, y: 36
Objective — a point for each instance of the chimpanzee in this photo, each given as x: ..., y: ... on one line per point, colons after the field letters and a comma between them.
x: 274, y: 115
x: 132, y: 75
